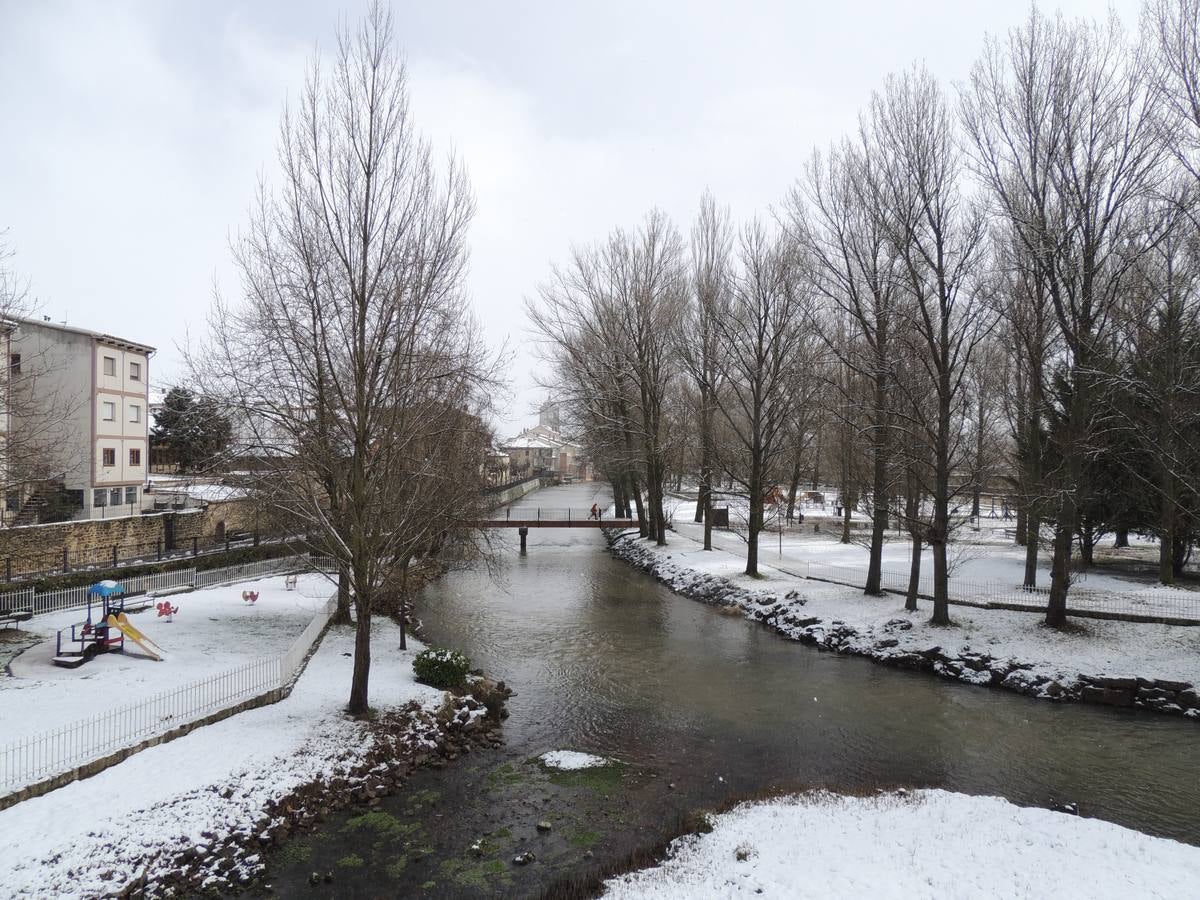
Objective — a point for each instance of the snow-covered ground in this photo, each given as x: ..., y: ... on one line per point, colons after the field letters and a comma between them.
x: 986, y: 566
x: 920, y: 844
x: 998, y: 647
x: 214, y: 630
x: 83, y: 839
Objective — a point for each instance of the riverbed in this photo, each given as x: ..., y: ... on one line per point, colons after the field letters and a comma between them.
x: 697, y: 708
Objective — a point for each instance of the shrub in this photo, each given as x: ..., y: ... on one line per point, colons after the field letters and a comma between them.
x: 441, y: 668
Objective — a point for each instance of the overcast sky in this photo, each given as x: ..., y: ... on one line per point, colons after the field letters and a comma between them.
x: 132, y: 134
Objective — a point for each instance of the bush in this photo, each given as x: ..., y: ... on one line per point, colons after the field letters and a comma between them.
x: 441, y: 668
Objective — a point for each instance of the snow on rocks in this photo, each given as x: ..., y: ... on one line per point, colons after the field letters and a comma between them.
x: 1154, y: 667
x: 927, y: 843
x: 572, y: 760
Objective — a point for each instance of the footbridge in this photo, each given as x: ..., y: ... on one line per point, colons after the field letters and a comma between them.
x: 552, y: 517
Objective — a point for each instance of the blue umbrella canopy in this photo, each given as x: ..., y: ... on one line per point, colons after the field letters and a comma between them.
x: 106, y: 588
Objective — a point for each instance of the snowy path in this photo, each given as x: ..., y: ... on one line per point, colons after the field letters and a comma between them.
x: 923, y: 844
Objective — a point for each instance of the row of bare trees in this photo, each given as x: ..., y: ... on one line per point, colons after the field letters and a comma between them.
x: 1000, y: 280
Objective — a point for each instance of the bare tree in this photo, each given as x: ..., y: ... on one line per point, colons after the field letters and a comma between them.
x: 939, y: 236
x: 764, y: 350
x: 712, y: 284
x: 351, y: 364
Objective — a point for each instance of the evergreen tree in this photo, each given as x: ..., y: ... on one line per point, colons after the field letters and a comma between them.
x: 193, y: 427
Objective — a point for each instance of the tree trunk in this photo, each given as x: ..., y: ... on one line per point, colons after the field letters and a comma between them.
x: 911, y: 510
x: 342, y: 615
x: 880, y: 520
x: 1031, y: 554
x: 755, y: 526
x: 1166, y: 531
x: 1122, y: 538
x: 793, y: 487
x: 404, y: 605
x: 362, y: 654
x: 1060, y: 565
x: 635, y: 492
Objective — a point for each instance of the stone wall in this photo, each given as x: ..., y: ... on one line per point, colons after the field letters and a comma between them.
x: 36, y: 548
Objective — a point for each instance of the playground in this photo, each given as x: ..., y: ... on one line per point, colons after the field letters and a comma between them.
x: 143, y: 646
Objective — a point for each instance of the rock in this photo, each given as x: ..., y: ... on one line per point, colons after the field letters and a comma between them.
x: 1107, y: 696
x: 524, y: 858
x: 744, y: 852
x: 544, y: 826
x: 886, y: 643
x: 1174, y: 686
x: 1070, y: 809
x: 1053, y: 689
x: 314, y: 878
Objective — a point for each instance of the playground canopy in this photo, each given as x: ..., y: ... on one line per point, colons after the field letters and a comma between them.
x: 106, y: 588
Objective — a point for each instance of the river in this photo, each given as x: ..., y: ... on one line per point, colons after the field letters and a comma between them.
x: 701, y: 708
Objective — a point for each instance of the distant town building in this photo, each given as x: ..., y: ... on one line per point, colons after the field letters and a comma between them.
x: 544, y: 450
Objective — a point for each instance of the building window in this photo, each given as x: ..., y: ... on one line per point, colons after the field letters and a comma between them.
x: 135, y: 457
x: 109, y: 411
x: 135, y: 371
x: 14, y: 364
x: 110, y: 458
x: 114, y: 497
x: 135, y: 413
x: 99, y: 497
x: 131, y: 495
x: 110, y: 365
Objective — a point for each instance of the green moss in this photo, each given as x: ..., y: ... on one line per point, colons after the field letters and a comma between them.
x: 353, y: 861
x: 428, y: 885
x: 582, y: 838
x: 504, y: 832
x: 475, y: 873
x: 504, y: 775
x: 601, y: 779
x: 294, y: 852
x: 381, y: 823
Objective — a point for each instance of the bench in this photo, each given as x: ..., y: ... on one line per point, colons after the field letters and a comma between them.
x: 10, y: 618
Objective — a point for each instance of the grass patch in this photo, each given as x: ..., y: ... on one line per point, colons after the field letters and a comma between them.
x: 353, y: 861
x: 421, y: 799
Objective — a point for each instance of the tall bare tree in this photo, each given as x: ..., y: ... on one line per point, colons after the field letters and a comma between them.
x: 939, y: 236
x: 351, y: 362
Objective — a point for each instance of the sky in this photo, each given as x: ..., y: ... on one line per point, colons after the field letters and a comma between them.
x: 133, y: 135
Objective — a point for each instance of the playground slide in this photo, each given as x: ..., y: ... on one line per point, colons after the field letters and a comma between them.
x: 126, y: 627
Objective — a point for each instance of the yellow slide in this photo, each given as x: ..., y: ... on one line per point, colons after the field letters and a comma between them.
x: 126, y: 628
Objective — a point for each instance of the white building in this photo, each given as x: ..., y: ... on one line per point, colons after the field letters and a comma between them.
x: 96, y: 388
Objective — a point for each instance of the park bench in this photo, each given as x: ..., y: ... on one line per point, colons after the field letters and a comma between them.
x: 11, y: 618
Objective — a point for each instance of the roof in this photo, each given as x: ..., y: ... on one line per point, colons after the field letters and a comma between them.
x: 102, y: 337
x: 524, y: 442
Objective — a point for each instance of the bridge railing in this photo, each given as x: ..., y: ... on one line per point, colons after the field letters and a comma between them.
x: 551, y: 514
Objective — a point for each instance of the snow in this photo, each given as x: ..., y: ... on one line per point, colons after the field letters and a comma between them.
x: 920, y: 844
x: 571, y: 760
x: 1092, y: 647
x: 986, y: 564
x: 164, y: 799
x: 214, y: 630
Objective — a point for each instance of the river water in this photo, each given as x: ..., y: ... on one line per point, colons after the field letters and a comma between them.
x: 702, y: 708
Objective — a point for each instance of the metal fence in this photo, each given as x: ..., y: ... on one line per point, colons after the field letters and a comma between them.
x: 1137, y: 603
x: 40, y: 602
x: 63, y: 749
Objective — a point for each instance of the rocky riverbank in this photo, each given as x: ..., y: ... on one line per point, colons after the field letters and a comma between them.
x: 987, y: 648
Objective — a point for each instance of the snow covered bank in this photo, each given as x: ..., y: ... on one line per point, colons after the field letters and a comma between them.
x: 927, y: 843
x: 198, y: 812
x: 1115, y: 663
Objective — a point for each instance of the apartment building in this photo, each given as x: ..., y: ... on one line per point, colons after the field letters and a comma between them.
x: 93, y: 389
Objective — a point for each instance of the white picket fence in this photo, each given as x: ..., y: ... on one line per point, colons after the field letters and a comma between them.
x: 61, y: 750
x: 40, y: 602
